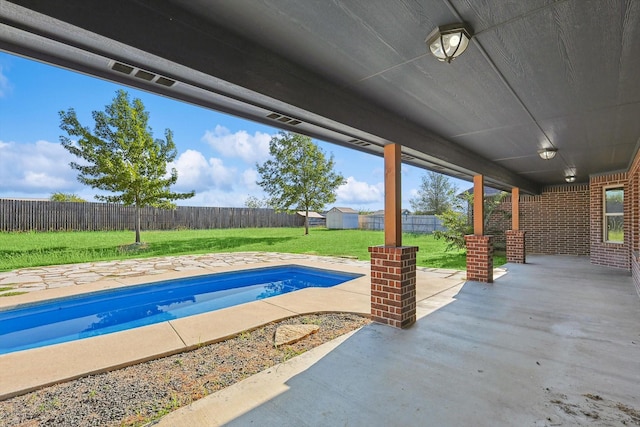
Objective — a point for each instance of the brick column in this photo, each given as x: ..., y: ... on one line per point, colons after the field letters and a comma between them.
x: 479, y: 258
x: 393, y: 285
x: 516, y: 246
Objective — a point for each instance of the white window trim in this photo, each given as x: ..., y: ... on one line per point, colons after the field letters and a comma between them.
x: 605, y: 215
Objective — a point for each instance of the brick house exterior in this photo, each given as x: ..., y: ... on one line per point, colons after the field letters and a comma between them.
x: 569, y: 220
x: 556, y: 221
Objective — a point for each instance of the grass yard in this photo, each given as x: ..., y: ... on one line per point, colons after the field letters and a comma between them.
x: 19, y: 250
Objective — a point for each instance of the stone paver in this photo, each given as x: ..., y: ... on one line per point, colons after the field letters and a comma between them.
x: 34, y: 279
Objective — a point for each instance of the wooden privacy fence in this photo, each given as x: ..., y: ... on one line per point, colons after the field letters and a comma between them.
x: 22, y: 215
x: 410, y: 223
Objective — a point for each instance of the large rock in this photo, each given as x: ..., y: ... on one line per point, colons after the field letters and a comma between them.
x: 288, y: 334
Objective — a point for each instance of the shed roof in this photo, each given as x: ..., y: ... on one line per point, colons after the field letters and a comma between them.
x: 488, y: 192
x: 344, y: 210
x: 312, y: 214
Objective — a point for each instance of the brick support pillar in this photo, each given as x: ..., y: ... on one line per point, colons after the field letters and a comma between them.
x: 516, y: 246
x: 479, y: 258
x: 393, y: 285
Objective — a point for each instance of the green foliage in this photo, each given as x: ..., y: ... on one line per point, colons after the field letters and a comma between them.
x: 437, y: 194
x: 289, y: 352
x: 457, y: 225
x: 66, y: 197
x: 457, y: 220
x: 121, y: 156
x: 12, y: 294
x: 299, y: 176
x: 254, y: 202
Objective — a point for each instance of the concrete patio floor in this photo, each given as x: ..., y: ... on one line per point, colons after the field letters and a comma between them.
x: 27, y: 370
x: 553, y: 342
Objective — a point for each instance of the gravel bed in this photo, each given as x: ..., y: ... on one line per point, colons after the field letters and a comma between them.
x: 139, y: 394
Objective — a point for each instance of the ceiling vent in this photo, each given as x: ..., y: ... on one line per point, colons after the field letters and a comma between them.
x: 284, y: 119
x: 165, y: 81
x: 145, y: 75
x: 142, y: 74
x: 407, y: 157
x: 121, y: 68
x: 360, y: 143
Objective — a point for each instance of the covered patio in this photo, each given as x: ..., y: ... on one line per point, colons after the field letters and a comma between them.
x: 553, y: 342
x: 544, y: 104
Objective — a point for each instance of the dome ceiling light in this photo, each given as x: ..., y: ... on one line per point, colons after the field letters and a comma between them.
x: 548, y: 153
x: 447, y: 42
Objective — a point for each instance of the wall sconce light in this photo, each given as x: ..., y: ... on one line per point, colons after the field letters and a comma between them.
x: 548, y: 153
x: 448, y: 41
x: 570, y: 178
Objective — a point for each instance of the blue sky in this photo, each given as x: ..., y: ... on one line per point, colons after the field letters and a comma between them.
x: 217, y: 153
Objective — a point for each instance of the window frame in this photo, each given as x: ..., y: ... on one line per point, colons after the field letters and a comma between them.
x: 606, y: 216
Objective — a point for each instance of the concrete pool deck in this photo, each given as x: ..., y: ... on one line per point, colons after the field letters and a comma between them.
x: 32, y: 369
x: 554, y: 342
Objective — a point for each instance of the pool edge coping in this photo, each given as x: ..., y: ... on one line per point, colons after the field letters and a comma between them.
x: 30, y: 370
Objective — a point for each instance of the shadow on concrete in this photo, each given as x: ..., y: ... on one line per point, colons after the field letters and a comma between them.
x: 553, y: 342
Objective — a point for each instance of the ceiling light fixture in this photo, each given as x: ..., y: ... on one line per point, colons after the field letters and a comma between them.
x: 447, y: 42
x: 570, y: 178
x: 548, y: 153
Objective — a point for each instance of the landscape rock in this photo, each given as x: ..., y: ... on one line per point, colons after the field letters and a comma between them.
x: 289, y: 334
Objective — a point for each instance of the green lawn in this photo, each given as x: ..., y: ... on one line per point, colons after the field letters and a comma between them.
x: 18, y: 250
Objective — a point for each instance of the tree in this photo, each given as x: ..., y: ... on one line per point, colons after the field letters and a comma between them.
x: 254, y: 202
x: 435, y: 196
x: 120, y: 156
x: 457, y: 220
x: 66, y: 197
x: 299, y: 176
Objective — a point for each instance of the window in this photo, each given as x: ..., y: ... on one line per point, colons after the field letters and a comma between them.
x: 613, y: 215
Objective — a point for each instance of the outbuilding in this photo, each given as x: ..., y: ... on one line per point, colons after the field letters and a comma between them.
x: 342, y: 218
x: 315, y: 219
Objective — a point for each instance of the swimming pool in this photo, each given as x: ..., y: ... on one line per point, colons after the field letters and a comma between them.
x: 99, y: 313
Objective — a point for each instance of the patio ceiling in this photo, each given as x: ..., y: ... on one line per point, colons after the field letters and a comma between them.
x: 540, y: 73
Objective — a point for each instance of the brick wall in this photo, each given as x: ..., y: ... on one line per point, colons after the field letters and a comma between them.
x: 516, y: 251
x: 634, y: 219
x: 556, y: 221
x: 479, y: 258
x: 602, y: 253
x: 393, y: 285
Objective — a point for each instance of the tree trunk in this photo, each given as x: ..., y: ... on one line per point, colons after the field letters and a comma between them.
x: 306, y: 222
x: 137, y: 224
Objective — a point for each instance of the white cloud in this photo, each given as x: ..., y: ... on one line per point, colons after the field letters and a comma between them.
x: 197, y: 173
x: 36, y: 168
x: 5, y: 87
x: 44, y: 181
x: 222, y: 177
x: 355, y: 192
x: 190, y: 165
x: 250, y: 149
x: 250, y: 179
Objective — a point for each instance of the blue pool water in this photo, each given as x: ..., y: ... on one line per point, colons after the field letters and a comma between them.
x: 87, y: 315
